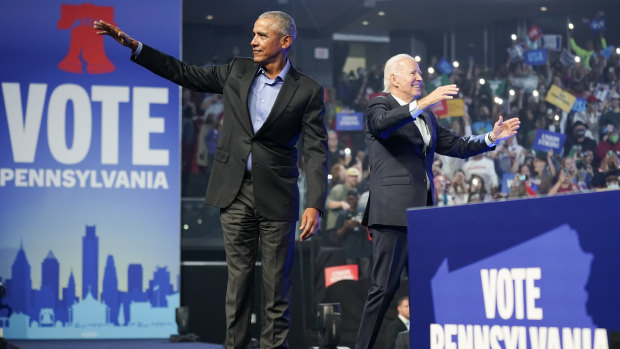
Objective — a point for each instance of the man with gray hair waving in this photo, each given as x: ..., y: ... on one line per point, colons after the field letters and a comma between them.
x: 268, y: 105
x: 403, y: 138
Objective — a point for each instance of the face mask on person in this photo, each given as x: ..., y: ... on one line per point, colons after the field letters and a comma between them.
x: 613, y: 138
x: 580, y: 132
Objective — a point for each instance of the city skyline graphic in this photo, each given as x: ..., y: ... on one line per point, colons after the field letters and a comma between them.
x: 54, y: 310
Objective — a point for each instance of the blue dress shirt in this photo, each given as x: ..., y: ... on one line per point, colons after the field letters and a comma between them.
x: 261, y: 98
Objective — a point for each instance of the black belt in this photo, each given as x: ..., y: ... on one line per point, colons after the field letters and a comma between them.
x: 247, y: 174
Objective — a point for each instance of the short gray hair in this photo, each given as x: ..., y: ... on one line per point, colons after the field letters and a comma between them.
x: 391, y: 67
x: 285, y: 23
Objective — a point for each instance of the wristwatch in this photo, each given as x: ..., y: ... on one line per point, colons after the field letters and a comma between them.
x: 493, y: 142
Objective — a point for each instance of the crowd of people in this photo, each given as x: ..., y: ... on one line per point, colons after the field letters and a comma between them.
x: 588, y: 160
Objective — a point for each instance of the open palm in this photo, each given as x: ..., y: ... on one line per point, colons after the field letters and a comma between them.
x: 505, y: 129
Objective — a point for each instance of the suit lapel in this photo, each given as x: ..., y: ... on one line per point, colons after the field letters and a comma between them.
x: 289, y: 87
x: 417, y: 135
x: 414, y: 128
x: 244, y: 91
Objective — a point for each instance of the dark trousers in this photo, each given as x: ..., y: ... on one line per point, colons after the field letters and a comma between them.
x: 389, y: 247
x: 244, y: 233
x: 390, y: 258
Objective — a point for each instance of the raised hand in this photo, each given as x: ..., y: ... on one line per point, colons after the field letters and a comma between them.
x: 439, y: 94
x: 105, y: 28
x: 504, y: 129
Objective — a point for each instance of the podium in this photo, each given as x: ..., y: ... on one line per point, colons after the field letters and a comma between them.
x: 535, y: 273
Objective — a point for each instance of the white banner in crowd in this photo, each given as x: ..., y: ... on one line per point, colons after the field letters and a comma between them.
x: 528, y: 83
x: 552, y: 42
x: 601, y: 92
x: 566, y: 58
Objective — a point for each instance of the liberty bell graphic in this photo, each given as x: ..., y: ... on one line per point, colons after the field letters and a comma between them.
x: 84, y: 40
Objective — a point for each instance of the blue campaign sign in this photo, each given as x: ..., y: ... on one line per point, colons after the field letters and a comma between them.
x: 507, y: 179
x: 546, y: 140
x: 535, y: 57
x: 350, y: 121
x: 535, y: 273
x: 607, y: 51
x: 444, y: 66
x: 89, y: 173
x: 579, y: 105
x: 597, y: 25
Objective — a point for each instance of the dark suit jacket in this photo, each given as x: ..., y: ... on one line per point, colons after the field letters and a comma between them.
x: 297, y: 111
x: 394, y: 328
x: 402, y: 341
x: 398, y: 160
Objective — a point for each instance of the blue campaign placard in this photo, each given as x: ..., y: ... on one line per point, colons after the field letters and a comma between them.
x: 89, y: 173
x: 535, y: 57
x: 546, y: 140
x: 579, y: 105
x: 597, y: 25
x: 607, y: 51
x: 528, y: 273
x: 346, y: 121
x: 444, y: 66
x: 507, y: 179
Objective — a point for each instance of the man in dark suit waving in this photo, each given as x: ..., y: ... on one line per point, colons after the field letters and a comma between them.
x: 403, y: 138
x: 268, y: 105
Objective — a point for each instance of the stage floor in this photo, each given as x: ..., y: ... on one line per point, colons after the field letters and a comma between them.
x: 112, y: 344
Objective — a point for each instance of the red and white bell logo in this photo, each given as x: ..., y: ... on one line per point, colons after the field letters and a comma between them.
x: 84, y: 40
